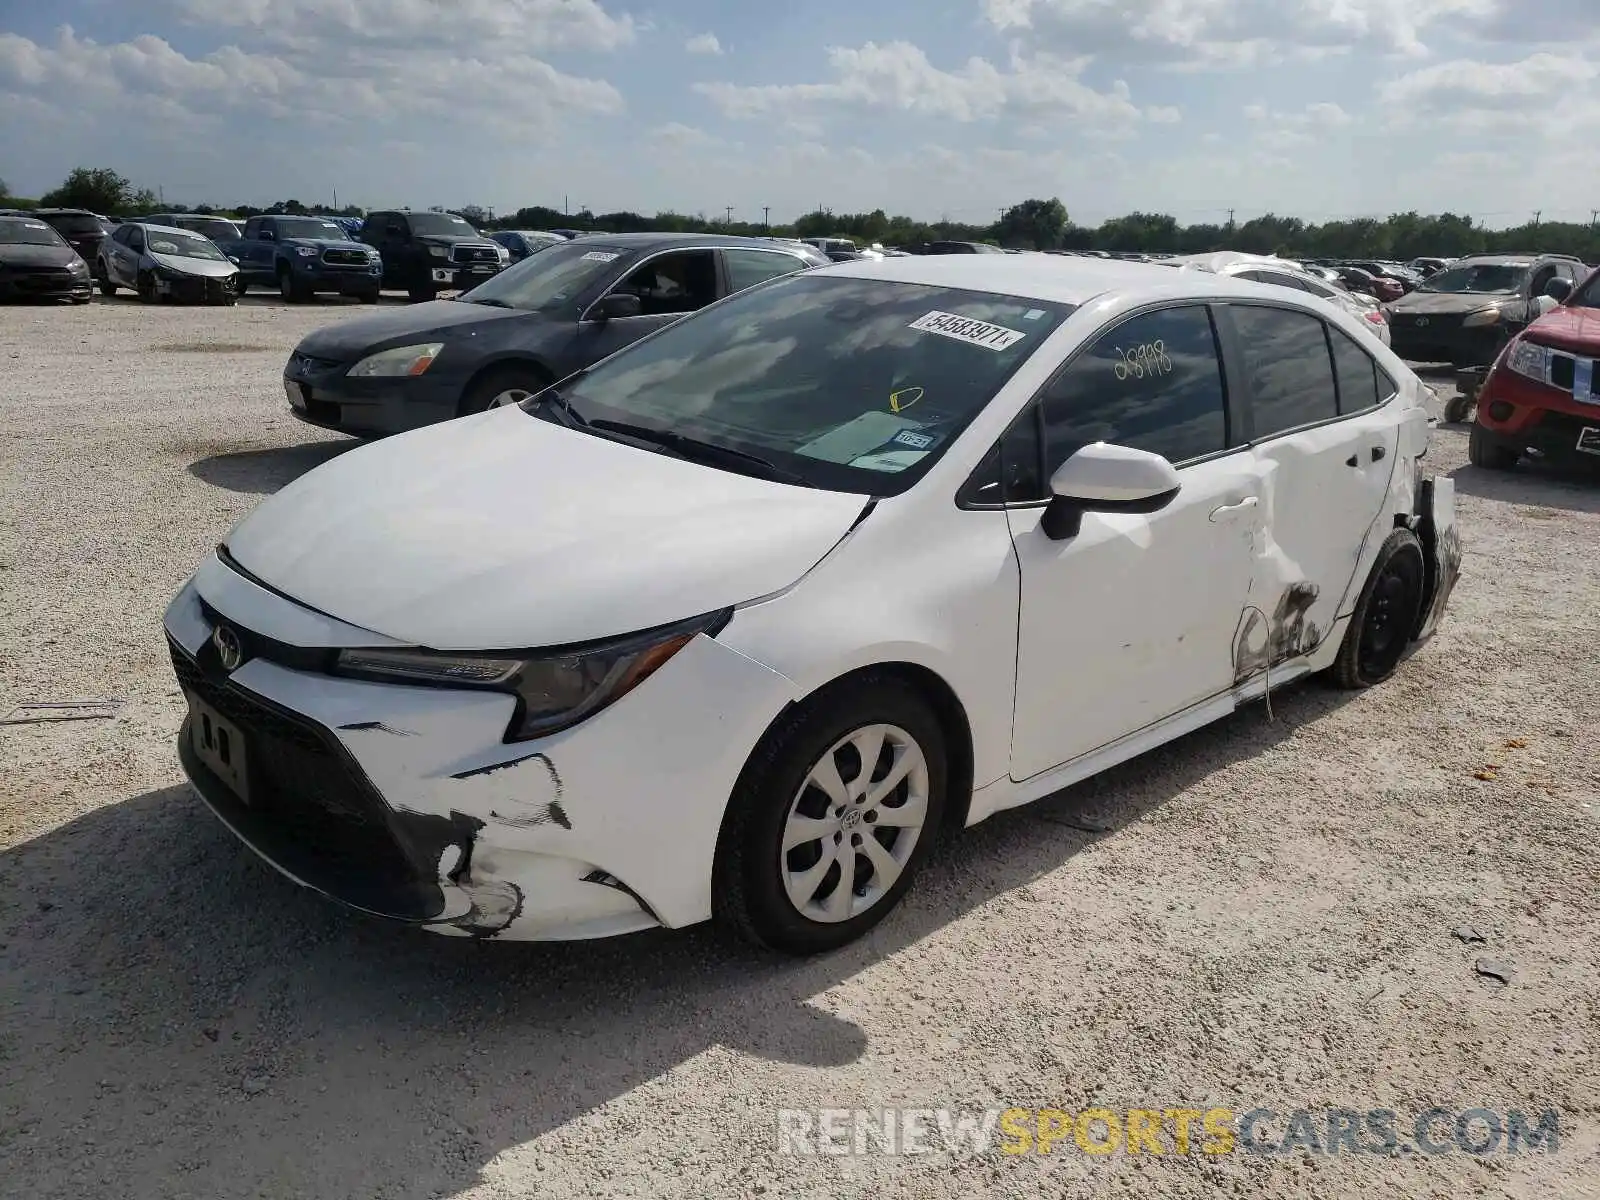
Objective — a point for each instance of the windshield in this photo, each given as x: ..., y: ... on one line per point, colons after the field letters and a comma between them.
x: 550, y: 279
x: 215, y: 228
x: 311, y: 227
x: 74, y: 223
x: 432, y: 223
x: 28, y: 233
x: 1588, y: 294
x: 854, y: 385
x: 1479, y: 277
x: 181, y: 243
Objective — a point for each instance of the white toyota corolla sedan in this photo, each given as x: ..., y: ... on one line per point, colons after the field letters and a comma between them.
x: 735, y: 622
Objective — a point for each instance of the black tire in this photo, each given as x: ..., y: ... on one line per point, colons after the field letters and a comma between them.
x: 371, y: 296
x: 1386, y: 615
x: 146, y: 287
x: 422, y: 293
x: 748, y: 894
x: 107, y: 288
x: 288, y: 289
x: 1456, y: 408
x: 241, y: 285
x: 82, y: 299
x: 481, y: 394
x: 1489, y: 452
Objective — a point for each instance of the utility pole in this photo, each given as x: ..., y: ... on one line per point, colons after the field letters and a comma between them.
x: 1230, y: 218
x: 1539, y: 212
x: 766, y: 216
x: 728, y: 215
x: 566, y: 205
x: 335, y: 199
x: 1594, y: 215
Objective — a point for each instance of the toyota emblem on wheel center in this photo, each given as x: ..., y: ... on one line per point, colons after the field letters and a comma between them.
x: 229, y: 651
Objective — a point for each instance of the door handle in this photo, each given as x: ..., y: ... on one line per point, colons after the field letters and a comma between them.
x: 1229, y: 511
x: 1377, y: 453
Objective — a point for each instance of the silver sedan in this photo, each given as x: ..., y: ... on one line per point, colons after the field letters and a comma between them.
x: 163, y: 262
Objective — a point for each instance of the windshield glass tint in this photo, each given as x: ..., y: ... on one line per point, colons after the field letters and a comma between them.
x: 440, y: 223
x: 550, y: 279
x: 1481, y: 277
x: 1588, y: 294
x: 310, y: 227
x: 75, y: 223
x: 854, y: 384
x: 180, y: 243
x: 28, y: 233
x: 214, y: 228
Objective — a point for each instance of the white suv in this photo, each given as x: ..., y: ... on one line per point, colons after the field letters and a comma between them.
x: 734, y: 622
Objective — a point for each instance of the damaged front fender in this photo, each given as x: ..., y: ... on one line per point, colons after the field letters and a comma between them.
x: 1441, y: 543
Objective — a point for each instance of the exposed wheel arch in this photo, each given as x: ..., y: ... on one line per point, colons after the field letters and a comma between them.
x: 504, y: 368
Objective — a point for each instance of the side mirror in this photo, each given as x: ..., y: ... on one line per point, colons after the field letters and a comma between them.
x: 617, y: 304
x: 1103, y: 477
x: 1559, y: 289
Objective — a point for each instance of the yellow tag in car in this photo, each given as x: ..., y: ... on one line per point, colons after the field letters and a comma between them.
x: 904, y: 398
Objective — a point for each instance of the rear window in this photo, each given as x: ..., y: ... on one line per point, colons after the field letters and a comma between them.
x: 74, y: 223
x: 26, y: 232
x: 1288, y: 366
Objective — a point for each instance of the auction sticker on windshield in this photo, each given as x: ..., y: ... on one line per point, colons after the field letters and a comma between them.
x: 968, y: 329
x: 601, y: 256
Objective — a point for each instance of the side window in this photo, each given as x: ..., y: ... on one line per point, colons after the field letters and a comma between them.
x: 252, y: 227
x: 121, y: 235
x: 746, y: 268
x: 1541, y: 278
x: 1011, y: 472
x: 395, y: 227
x: 673, y: 283
x: 1289, y: 368
x: 136, y: 239
x: 1316, y: 289
x: 1358, y: 374
x: 1154, y: 382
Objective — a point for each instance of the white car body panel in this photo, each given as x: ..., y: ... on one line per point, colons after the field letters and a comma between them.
x: 1064, y: 657
x: 493, y: 518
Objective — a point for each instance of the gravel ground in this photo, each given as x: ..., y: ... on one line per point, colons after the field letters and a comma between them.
x: 1261, y: 914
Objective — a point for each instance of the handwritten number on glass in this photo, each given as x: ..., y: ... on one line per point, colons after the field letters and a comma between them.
x: 1147, y: 361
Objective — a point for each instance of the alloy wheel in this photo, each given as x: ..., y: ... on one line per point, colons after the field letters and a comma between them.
x: 511, y: 396
x: 854, y: 823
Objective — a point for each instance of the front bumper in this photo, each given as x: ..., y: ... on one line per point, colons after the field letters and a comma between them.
x: 44, y: 284
x: 1444, y: 339
x: 198, y: 289
x: 347, y: 279
x: 320, y: 393
x: 1524, y: 414
x: 445, y: 274
x: 406, y: 803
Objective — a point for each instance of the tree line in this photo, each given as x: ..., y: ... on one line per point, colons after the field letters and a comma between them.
x: 1033, y: 224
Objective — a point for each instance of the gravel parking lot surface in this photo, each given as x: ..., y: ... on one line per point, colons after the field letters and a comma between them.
x: 1279, y: 912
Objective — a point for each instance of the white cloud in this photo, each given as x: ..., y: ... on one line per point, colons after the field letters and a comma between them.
x: 1228, y: 32
x: 703, y: 43
x: 1275, y: 132
x: 677, y: 136
x: 1158, y: 114
x: 898, y: 76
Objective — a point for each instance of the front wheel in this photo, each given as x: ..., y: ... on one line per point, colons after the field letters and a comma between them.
x: 145, y: 285
x: 1489, y: 452
x: 103, y: 280
x: 504, y: 388
x: 1387, y: 613
x: 832, y: 817
x: 422, y: 293
x: 289, y: 290
x: 370, y: 296
x: 1456, y: 408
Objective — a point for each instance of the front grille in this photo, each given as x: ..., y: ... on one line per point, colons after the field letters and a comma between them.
x: 345, y: 258
x: 473, y: 254
x: 311, y: 364
x: 303, y: 784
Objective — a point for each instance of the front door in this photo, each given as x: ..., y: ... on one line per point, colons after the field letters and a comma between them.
x: 1326, y: 447
x: 669, y: 287
x: 1134, y: 619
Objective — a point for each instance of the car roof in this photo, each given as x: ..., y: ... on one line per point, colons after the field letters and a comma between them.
x: 65, y: 212
x: 654, y: 241
x: 1053, y: 279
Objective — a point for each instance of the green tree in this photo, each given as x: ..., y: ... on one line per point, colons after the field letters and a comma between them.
x: 1033, y: 225
x: 99, y: 189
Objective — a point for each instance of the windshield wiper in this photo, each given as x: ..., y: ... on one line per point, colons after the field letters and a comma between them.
x: 561, y: 408
x: 706, y: 452
x: 485, y: 303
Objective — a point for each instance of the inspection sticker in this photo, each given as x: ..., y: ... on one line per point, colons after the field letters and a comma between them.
x: 917, y: 441
x: 969, y: 330
x: 601, y: 256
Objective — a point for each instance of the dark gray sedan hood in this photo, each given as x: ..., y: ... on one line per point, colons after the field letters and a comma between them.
x: 398, y: 327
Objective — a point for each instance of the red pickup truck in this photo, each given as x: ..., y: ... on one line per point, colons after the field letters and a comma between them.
x: 1543, y: 393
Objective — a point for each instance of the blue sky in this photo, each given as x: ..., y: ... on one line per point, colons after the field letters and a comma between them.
x: 1315, y: 108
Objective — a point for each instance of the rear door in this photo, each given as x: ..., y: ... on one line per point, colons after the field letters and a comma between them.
x: 745, y: 267
x: 1326, y: 448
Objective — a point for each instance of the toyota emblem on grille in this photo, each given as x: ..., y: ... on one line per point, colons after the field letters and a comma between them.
x: 1421, y: 321
x: 229, y: 650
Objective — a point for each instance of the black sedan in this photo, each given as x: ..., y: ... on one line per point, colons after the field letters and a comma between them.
x: 536, y: 322
x: 37, y: 263
x: 82, y: 229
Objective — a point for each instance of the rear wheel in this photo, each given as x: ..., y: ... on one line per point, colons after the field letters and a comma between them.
x: 504, y: 387
x: 1489, y: 452
x: 1386, y: 614
x: 832, y: 817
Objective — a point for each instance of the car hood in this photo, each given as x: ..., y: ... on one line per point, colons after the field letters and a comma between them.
x: 503, y: 531
x: 195, y: 266
x: 399, y: 327
x: 1427, y: 303
x: 327, y: 243
x: 16, y: 254
x: 1568, y: 328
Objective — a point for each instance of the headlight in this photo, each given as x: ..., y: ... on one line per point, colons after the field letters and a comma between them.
x: 1527, y: 358
x: 77, y: 266
x: 505, y: 255
x: 306, y: 251
x: 438, y: 252
x: 403, y: 360
x: 1486, y: 316
x: 554, y: 691
x: 374, y: 256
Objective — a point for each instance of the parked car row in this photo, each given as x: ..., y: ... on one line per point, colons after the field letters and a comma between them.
x: 36, y: 262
